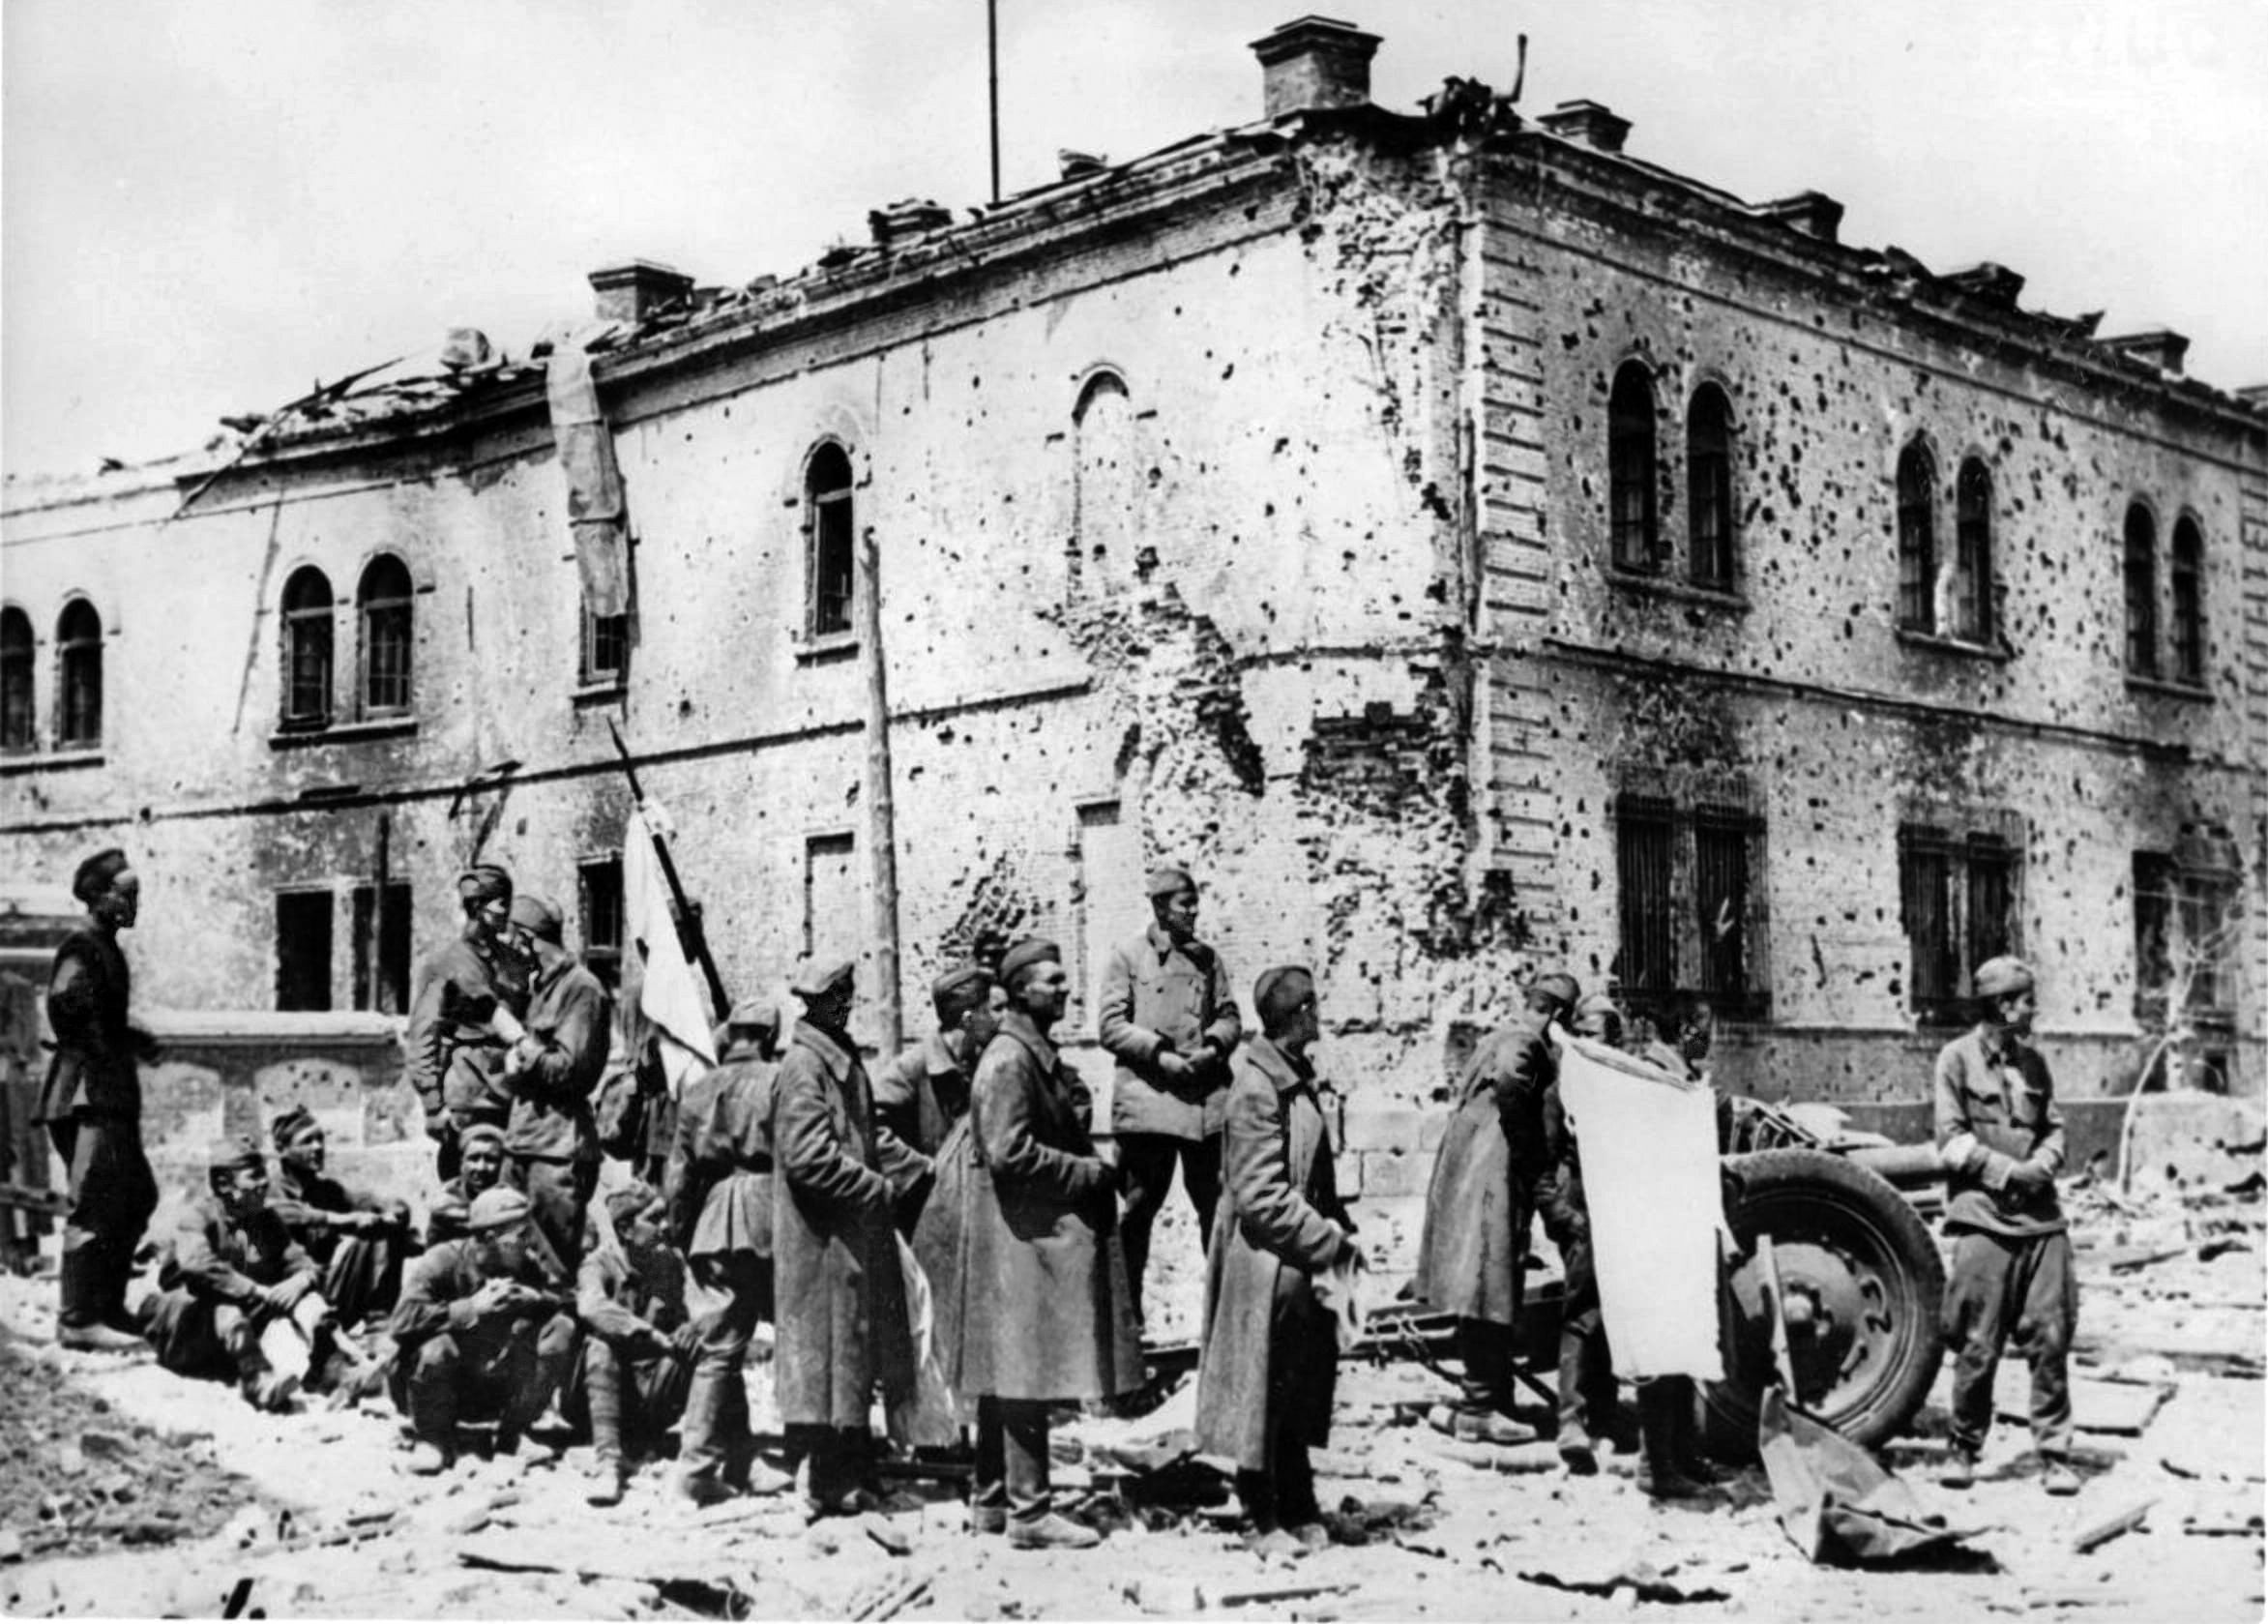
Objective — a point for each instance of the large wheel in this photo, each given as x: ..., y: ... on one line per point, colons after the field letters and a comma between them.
x: 1862, y: 1283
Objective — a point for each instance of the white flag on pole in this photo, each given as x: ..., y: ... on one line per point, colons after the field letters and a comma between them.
x: 1649, y: 1152
x: 669, y: 995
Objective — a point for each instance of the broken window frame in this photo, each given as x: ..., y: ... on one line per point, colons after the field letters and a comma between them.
x: 1972, y: 554
x: 1714, y: 562
x: 599, y: 899
x: 78, y: 676
x: 387, y: 643
x: 308, y: 652
x: 1917, y: 538
x: 19, y: 665
x: 381, y: 948
x: 1961, y: 902
x: 1633, y: 527
x: 2139, y: 570
x: 2187, y: 580
x: 303, y: 973
x: 1699, y: 846
x: 829, y: 544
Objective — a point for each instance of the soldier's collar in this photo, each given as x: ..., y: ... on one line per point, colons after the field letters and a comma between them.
x: 833, y: 1050
x: 1017, y: 1024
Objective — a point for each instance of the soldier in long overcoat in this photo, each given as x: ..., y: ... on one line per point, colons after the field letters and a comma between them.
x: 1271, y: 1353
x: 1039, y: 1315
x: 920, y: 1094
x: 1480, y: 1202
x: 841, y: 1298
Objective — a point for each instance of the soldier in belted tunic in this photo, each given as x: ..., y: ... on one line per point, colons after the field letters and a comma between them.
x: 552, y: 1138
x: 465, y: 1017
x: 918, y: 1096
x: 2000, y: 1136
x: 91, y: 1107
x: 1168, y: 1015
x: 358, y: 1239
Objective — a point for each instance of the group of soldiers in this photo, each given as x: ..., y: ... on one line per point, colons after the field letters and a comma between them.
x: 786, y: 1185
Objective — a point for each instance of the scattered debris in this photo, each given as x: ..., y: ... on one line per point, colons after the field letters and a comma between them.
x: 890, y: 1597
x: 1181, y: 1597
x: 2109, y: 1528
x: 894, y: 1539
x: 1636, y: 1578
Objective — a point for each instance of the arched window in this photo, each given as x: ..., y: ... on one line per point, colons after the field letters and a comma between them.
x: 2141, y: 592
x: 16, y: 730
x: 1917, y: 538
x: 1708, y: 484
x: 828, y: 544
x: 2188, y: 601
x: 384, y: 602
x: 78, y: 665
x: 1972, y: 553
x: 1102, y: 476
x: 1629, y: 468
x: 306, y: 649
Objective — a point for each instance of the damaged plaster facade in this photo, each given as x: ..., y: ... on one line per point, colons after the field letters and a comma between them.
x: 1245, y: 505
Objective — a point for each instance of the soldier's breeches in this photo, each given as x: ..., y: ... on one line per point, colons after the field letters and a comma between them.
x: 715, y: 1407
x: 2012, y: 1289
x: 1147, y: 1161
x: 112, y: 1196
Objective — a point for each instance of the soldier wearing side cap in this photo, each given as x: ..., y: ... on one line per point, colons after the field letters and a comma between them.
x: 91, y: 1107
x: 920, y: 1095
x: 480, y: 1333
x: 480, y: 1168
x: 2000, y: 1137
x: 358, y: 1239
x: 464, y: 1018
x: 1168, y: 1015
x: 552, y: 1139
x: 1481, y: 1201
x: 842, y: 1324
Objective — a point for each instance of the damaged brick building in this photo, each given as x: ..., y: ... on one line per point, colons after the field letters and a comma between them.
x: 1465, y: 544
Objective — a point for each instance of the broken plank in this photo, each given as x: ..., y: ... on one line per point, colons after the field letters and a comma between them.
x: 2109, y: 1528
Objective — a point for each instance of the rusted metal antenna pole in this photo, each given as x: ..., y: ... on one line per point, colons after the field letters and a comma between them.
x: 992, y: 68
x: 881, y: 812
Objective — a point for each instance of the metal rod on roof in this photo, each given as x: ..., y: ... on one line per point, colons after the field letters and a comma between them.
x: 992, y: 66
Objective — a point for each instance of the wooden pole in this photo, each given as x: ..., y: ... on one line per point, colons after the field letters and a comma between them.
x: 881, y: 813
x: 992, y: 71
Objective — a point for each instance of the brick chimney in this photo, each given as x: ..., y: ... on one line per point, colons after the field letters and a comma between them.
x: 1589, y: 122
x: 1314, y: 63
x: 638, y: 289
x: 1995, y: 284
x: 1813, y: 212
x: 2157, y: 347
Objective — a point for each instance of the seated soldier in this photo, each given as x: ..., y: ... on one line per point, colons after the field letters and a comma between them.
x: 239, y: 1300
x: 638, y: 1346
x: 357, y: 1239
x: 478, y: 1333
x: 480, y: 1168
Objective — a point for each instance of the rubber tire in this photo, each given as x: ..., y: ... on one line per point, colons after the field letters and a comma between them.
x: 1794, y: 1192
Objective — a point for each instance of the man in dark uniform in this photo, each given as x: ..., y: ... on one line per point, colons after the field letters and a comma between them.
x: 359, y: 1240
x: 479, y: 1332
x: 1271, y: 1353
x: 637, y: 1345
x: 551, y: 1139
x: 465, y: 1017
x: 720, y: 1194
x: 1480, y: 1203
x: 2000, y: 1136
x: 841, y: 1299
x: 92, y: 1106
x: 481, y: 1169
x: 920, y: 1095
x: 1168, y: 1015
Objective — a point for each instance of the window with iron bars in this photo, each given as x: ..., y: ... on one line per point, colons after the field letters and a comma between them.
x: 1959, y: 896
x: 1691, y: 904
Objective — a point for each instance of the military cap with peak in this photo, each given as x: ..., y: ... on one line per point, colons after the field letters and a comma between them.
x: 1561, y: 986
x: 1168, y: 880
x: 499, y: 1208
x: 484, y: 883
x: 1998, y: 978
x: 824, y: 977
x: 539, y: 916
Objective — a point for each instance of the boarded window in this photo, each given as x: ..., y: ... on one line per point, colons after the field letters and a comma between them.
x: 18, y: 667
x: 600, y: 883
x: 2189, y: 602
x: 303, y: 949
x: 1630, y: 470
x: 1107, y: 899
x: 78, y: 665
x: 1972, y: 554
x: 306, y: 649
x: 385, y: 604
x: 828, y: 540
x: 832, y: 924
x: 1960, y: 894
x: 1917, y: 538
x: 381, y: 948
x: 1708, y: 468
x: 2141, y: 592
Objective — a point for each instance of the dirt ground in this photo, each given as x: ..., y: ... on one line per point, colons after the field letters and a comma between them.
x: 116, y: 1502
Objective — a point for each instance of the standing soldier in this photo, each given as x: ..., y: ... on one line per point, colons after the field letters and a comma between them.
x: 842, y: 1326
x: 1271, y: 1354
x: 464, y: 1018
x: 1038, y: 1313
x: 552, y: 1141
x: 2000, y: 1136
x: 1168, y: 1015
x: 92, y: 1106
x: 1480, y: 1203
x: 920, y: 1095
x: 357, y: 1239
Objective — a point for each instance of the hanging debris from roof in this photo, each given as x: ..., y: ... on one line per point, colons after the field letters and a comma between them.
x: 595, y: 509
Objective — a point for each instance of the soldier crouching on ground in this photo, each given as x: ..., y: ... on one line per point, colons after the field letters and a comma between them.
x: 359, y: 1241
x: 637, y: 1348
x: 239, y: 1300
x: 480, y: 1169
x: 1271, y: 1355
x: 2000, y: 1136
x: 479, y: 1334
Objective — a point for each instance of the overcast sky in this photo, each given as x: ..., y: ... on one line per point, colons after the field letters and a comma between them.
x: 211, y: 204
